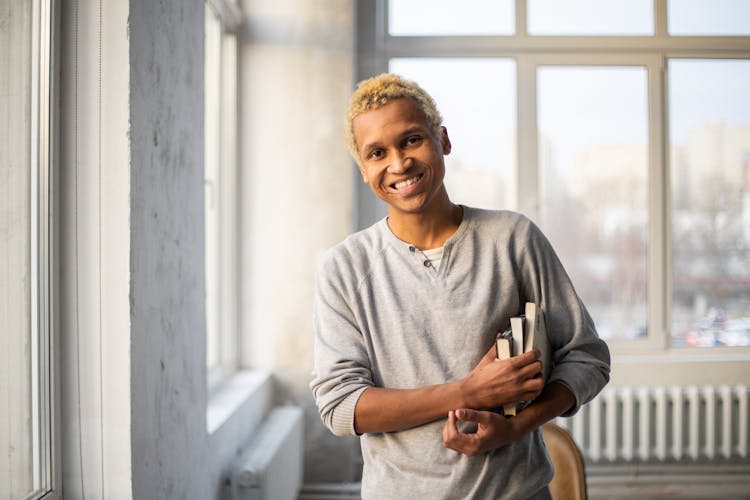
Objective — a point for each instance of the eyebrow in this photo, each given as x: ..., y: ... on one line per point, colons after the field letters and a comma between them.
x: 409, y: 131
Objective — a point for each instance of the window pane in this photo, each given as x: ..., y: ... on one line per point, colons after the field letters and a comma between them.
x: 590, y: 17
x: 477, y: 98
x: 17, y: 423
x: 710, y: 170
x: 593, y: 151
x: 212, y: 159
x: 443, y: 17
x: 708, y: 17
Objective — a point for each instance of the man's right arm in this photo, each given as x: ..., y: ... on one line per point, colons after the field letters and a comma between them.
x: 348, y: 399
x: 492, y: 383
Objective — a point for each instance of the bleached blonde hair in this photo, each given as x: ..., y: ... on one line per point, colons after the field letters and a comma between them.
x: 378, y: 91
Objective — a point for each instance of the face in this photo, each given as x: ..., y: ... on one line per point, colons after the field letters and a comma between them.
x: 401, y: 158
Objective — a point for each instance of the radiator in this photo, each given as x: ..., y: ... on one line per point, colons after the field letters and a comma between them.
x: 271, y: 466
x: 662, y: 424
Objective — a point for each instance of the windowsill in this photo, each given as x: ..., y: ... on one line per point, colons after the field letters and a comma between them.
x: 681, y: 367
x: 246, y: 394
x: 235, y: 411
x: 685, y: 355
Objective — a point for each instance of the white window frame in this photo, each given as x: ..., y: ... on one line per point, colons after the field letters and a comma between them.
x: 222, y: 246
x: 375, y: 47
x: 49, y: 464
x: 45, y: 409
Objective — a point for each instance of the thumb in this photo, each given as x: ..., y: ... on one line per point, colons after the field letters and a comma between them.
x: 490, y: 355
x: 481, y: 417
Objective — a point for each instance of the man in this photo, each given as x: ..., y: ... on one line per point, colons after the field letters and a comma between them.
x: 406, y: 314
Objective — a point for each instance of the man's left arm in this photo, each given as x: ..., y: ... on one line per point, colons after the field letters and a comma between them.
x: 495, y: 430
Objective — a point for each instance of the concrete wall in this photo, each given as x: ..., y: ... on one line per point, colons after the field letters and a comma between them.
x: 168, y: 377
x: 296, y: 60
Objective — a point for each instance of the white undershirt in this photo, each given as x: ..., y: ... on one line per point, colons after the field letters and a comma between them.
x: 434, y: 255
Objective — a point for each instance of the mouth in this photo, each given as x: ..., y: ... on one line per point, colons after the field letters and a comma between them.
x: 406, y: 182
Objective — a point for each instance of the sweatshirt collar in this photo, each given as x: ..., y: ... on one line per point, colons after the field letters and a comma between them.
x: 466, y: 221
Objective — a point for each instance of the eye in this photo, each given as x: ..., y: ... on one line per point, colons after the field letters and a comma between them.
x: 375, y: 154
x: 413, y: 140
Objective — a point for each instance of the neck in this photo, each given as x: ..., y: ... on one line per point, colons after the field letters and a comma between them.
x: 430, y: 228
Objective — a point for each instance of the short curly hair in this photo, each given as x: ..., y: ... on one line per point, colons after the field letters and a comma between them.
x: 378, y: 91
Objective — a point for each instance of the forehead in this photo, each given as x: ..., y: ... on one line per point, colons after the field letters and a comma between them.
x: 391, y: 119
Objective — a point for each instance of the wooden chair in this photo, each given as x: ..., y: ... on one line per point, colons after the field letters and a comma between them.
x: 569, y: 481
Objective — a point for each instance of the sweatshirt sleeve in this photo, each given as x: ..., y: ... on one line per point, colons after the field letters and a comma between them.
x: 341, y: 366
x: 580, y: 358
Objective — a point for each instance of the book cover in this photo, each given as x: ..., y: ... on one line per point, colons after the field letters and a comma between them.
x: 504, y: 346
x: 535, y: 337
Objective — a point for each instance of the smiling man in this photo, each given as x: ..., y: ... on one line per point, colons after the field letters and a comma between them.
x: 406, y: 314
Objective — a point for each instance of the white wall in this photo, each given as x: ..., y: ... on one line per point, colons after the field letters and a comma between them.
x: 296, y: 177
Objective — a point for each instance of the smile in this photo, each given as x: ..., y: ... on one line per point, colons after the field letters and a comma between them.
x: 407, y: 182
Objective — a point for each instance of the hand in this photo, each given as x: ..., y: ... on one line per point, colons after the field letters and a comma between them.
x: 496, y: 382
x: 493, y: 431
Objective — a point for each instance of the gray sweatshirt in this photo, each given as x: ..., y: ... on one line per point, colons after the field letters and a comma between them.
x: 384, y: 318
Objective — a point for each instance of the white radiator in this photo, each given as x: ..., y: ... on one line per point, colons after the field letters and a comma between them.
x: 271, y: 467
x: 663, y: 424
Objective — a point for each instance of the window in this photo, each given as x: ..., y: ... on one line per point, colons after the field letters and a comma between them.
x: 709, y: 119
x: 620, y: 127
x: 708, y: 17
x: 25, y: 369
x: 590, y: 17
x: 222, y: 22
x: 594, y: 186
x: 475, y: 17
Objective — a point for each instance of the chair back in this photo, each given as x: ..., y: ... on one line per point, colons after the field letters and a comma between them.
x: 569, y: 481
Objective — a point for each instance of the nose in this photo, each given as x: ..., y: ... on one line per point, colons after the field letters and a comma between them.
x: 400, y: 164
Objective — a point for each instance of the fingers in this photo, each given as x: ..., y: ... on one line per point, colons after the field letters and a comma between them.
x: 450, y: 427
x: 468, y: 444
x: 526, y: 358
x: 491, y: 432
x: 531, y: 370
x: 490, y: 355
x: 480, y: 417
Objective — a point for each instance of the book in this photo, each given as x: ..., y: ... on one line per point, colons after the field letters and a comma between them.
x: 517, y: 330
x: 535, y: 337
x: 504, y: 345
x: 527, y: 331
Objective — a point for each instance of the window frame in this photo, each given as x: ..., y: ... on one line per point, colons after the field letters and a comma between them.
x: 375, y: 47
x: 49, y: 441
x: 226, y: 221
x: 43, y: 247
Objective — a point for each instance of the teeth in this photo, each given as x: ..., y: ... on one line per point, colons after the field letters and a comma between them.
x: 407, y: 182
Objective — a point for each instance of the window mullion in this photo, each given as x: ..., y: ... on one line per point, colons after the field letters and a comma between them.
x: 372, y: 59
x: 521, y: 18
x: 527, y: 165
x: 658, y: 206
x: 660, y: 19
x: 228, y: 209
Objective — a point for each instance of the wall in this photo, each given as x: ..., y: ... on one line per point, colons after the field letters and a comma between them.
x: 296, y: 182
x: 168, y: 379
x: 133, y: 394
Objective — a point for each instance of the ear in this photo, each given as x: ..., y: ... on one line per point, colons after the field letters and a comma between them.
x: 446, y: 141
x: 362, y: 173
